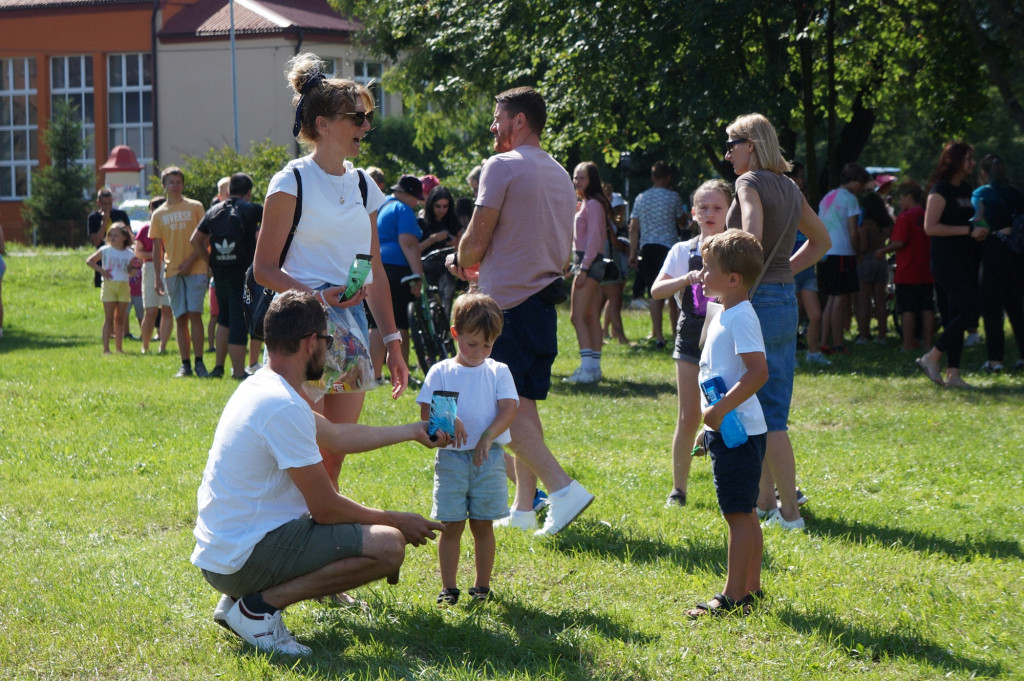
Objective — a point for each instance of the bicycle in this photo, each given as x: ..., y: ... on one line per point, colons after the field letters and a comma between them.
x: 429, y: 327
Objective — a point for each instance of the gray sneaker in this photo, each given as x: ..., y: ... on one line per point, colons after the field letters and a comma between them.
x: 183, y: 372
x: 201, y: 371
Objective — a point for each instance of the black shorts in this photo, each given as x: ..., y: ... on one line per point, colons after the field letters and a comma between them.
x: 915, y: 297
x: 736, y: 471
x: 228, y: 293
x: 837, y: 275
x: 652, y: 257
x: 400, y: 296
x: 528, y: 344
x: 688, y: 338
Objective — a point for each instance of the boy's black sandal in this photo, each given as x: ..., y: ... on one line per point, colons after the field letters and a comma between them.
x: 448, y: 596
x: 480, y: 593
x: 725, y: 606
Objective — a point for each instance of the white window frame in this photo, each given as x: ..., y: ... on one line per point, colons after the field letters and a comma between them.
x: 83, y: 64
x: 373, y: 82
x: 29, y: 127
x: 118, y: 130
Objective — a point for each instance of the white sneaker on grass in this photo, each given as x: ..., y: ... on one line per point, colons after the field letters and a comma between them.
x: 564, y: 508
x: 266, y: 632
x: 817, y: 358
x: 220, y: 613
x: 775, y: 519
x: 520, y: 520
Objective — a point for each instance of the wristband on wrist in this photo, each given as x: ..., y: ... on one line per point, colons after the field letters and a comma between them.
x: 455, y: 259
x: 396, y: 336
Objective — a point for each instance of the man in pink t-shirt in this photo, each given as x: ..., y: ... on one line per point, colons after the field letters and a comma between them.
x: 521, y: 235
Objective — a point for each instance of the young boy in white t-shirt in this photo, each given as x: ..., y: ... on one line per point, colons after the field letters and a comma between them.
x: 734, y: 351
x: 469, y: 478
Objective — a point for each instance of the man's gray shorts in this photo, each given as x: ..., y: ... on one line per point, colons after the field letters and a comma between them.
x: 296, y: 548
x: 187, y: 293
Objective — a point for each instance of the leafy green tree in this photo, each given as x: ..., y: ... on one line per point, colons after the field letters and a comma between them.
x: 662, y: 79
x: 59, y: 189
x: 203, y: 172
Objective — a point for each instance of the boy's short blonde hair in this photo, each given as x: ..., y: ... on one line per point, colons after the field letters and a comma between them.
x: 477, y: 312
x: 737, y: 252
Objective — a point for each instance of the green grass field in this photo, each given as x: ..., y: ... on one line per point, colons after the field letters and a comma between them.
x: 911, y: 567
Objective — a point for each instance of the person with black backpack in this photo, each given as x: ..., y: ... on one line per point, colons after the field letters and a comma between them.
x: 226, y: 239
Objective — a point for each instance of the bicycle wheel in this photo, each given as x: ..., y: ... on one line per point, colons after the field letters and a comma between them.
x: 420, y: 335
x: 444, y: 344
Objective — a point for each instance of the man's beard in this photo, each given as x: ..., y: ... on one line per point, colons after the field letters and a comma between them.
x: 315, y: 367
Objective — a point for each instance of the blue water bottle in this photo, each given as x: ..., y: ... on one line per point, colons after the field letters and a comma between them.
x: 733, y: 432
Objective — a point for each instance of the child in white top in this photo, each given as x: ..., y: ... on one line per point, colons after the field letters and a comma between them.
x: 734, y: 350
x: 113, y: 261
x: 680, y: 276
x: 469, y: 478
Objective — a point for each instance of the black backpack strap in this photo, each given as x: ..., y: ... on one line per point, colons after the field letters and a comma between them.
x: 295, y: 218
x: 362, y: 185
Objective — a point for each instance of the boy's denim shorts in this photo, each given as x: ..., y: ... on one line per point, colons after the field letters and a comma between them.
x: 462, y: 490
x: 776, y: 309
x: 736, y: 472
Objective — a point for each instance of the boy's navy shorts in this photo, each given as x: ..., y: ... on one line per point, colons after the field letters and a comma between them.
x: 736, y: 471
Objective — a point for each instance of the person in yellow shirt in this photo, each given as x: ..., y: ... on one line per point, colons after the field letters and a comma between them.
x: 185, y: 275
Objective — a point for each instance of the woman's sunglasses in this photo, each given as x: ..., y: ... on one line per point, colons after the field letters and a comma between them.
x: 358, y: 116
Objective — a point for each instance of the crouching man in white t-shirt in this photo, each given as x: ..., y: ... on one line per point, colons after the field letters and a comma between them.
x: 272, y: 530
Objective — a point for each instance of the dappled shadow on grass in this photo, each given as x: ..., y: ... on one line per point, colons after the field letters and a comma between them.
x: 21, y: 339
x: 611, y: 387
x: 958, y: 549
x: 871, y: 646
x: 502, y: 638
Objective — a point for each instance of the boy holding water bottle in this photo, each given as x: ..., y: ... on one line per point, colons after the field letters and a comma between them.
x: 733, y: 361
x: 469, y: 477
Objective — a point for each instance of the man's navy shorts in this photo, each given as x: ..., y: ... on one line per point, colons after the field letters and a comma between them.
x: 528, y: 344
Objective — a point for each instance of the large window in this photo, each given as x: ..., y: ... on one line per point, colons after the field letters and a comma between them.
x: 130, y: 106
x: 369, y: 73
x: 19, y: 129
x: 71, y: 79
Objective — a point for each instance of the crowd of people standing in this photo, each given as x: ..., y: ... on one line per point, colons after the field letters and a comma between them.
x: 757, y: 255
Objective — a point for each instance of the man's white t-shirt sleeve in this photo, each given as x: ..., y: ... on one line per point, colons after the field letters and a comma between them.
x: 292, y: 447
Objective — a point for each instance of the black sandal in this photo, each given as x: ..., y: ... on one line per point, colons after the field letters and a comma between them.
x: 448, y: 596
x: 725, y: 606
x: 480, y: 593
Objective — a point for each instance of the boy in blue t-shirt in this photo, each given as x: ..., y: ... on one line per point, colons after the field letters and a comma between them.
x: 469, y: 477
x: 734, y: 351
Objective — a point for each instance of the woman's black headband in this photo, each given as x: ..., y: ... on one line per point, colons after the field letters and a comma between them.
x: 313, y: 78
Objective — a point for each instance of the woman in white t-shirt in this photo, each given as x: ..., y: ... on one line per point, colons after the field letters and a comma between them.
x: 332, y: 116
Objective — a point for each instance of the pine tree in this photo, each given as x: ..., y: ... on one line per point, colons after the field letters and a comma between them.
x: 58, y: 189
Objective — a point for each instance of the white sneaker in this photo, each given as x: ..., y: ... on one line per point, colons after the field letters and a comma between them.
x: 582, y: 375
x: 775, y: 518
x: 972, y: 340
x: 220, y: 613
x: 563, y: 509
x: 253, y: 368
x: 817, y: 358
x: 575, y: 377
x: 266, y: 632
x: 638, y: 304
x: 520, y: 520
